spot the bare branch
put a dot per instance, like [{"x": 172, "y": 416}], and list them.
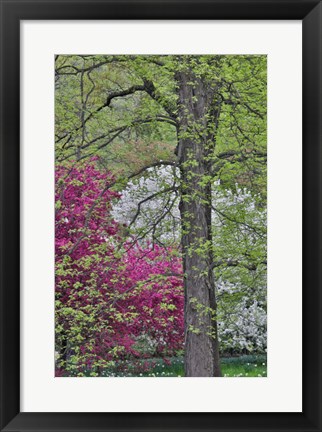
[{"x": 169, "y": 189}]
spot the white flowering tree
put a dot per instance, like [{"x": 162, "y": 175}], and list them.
[{"x": 149, "y": 207}]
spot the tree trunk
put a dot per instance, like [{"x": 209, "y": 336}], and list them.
[{"x": 194, "y": 143}]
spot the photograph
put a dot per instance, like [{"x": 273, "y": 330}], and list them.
[
  {"x": 160, "y": 215},
  {"x": 161, "y": 212}
]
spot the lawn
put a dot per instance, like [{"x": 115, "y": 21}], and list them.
[{"x": 243, "y": 366}]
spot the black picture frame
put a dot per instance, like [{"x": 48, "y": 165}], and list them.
[{"x": 12, "y": 12}]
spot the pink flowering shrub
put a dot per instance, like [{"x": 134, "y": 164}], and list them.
[{"x": 114, "y": 300}]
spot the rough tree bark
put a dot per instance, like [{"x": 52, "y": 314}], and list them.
[{"x": 195, "y": 140}]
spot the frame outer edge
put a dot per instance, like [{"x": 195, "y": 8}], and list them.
[
  {"x": 312, "y": 215},
  {"x": 9, "y": 217}
]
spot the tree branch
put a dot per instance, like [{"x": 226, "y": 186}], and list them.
[
  {"x": 169, "y": 189},
  {"x": 228, "y": 262},
  {"x": 150, "y": 89},
  {"x": 260, "y": 234}
]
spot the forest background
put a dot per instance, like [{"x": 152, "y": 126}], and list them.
[{"x": 160, "y": 214}]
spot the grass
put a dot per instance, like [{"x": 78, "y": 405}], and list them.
[
  {"x": 243, "y": 366},
  {"x": 248, "y": 370}
]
